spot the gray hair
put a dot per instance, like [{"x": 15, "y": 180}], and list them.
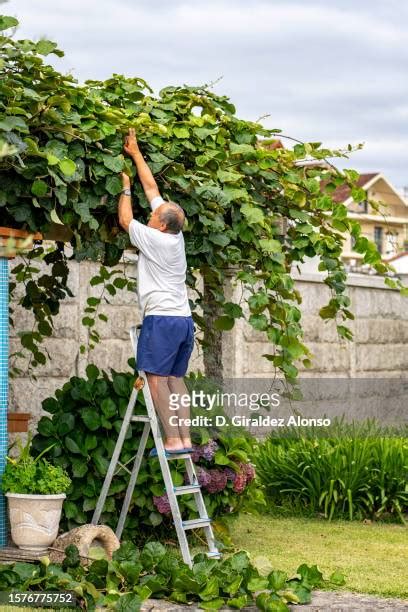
[{"x": 172, "y": 216}]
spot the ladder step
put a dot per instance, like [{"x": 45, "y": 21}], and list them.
[
  {"x": 200, "y": 522},
  {"x": 183, "y": 490},
  {"x": 179, "y": 456},
  {"x": 140, "y": 418},
  {"x": 214, "y": 554}
]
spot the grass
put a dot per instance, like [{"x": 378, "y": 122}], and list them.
[{"x": 372, "y": 557}]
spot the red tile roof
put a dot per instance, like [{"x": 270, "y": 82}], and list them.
[{"x": 342, "y": 193}]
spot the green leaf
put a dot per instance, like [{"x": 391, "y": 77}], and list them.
[
  {"x": 45, "y": 427},
  {"x": 9, "y": 124},
  {"x": 109, "y": 407},
  {"x": 67, "y": 166},
  {"x": 114, "y": 163},
  {"x": 337, "y": 578},
  {"x": 52, "y": 159},
  {"x": 7, "y": 22},
  {"x": 50, "y": 405},
  {"x": 130, "y": 602},
  {"x": 224, "y": 323},
  {"x": 79, "y": 467},
  {"x": 131, "y": 571},
  {"x": 121, "y": 385},
  {"x": 44, "y": 47},
  {"x": 127, "y": 552},
  {"x": 113, "y": 185},
  {"x": 65, "y": 424},
  {"x": 91, "y": 418},
  {"x": 239, "y": 561},
  {"x": 252, "y": 214},
  {"x": 258, "y": 321},
  {"x": 91, "y": 370},
  {"x": 70, "y": 509},
  {"x": 240, "y": 149},
  {"x": 257, "y": 583},
  {"x": 270, "y": 603},
  {"x": 211, "y": 589},
  {"x": 270, "y": 246},
  {"x": 277, "y": 580},
  {"x": 152, "y": 553},
  {"x": 219, "y": 239},
  {"x": 181, "y": 132},
  {"x": 228, "y": 176},
  {"x": 39, "y": 188},
  {"x": 72, "y": 446}
]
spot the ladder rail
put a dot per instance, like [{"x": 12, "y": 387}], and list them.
[
  {"x": 132, "y": 481},
  {"x": 115, "y": 457}
]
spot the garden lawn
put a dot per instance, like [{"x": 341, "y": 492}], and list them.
[{"x": 373, "y": 557}]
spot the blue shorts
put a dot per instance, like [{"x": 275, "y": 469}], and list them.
[{"x": 165, "y": 345}]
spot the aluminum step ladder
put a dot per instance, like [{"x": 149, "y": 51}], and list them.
[{"x": 151, "y": 424}]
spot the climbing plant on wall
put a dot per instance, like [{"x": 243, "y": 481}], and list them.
[{"x": 64, "y": 169}]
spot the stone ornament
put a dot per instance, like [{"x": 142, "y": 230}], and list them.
[{"x": 84, "y": 538}]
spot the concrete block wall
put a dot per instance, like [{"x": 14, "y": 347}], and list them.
[{"x": 380, "y": 329}]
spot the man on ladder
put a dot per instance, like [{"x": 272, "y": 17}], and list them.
[
  {"x": 163, "y": 350},
  {"x": 166, "y": 339}
]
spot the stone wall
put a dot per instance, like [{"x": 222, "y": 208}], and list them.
[{"x": 380, "y": 348}]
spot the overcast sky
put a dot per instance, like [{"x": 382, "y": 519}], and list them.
[{"x": 335, "y": 72}]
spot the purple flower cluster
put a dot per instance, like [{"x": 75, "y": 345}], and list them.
[
  {"x": 231, "y": 474},
  {"x": 203, "y": 477},
  {"x": 239, "y": 482},
  {"x": 162, "y": 503},
  {"x": 214, "y": 480},
  {"x": 218, "y": 481},
  {"x": 249, "y": 472},
  {"x": 208, "y": 450},
  {"x": 204, "y": 451}
]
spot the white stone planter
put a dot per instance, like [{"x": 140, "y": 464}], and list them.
[{"x": 34, "y": 519}]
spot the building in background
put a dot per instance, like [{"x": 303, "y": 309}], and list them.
[
  {"x": 383, "y": 217},
  {"x": 387, "y": 226}
]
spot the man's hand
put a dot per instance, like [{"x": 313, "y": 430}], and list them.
[
  {"x": 131, "y": 147},
  {"x": 125, "y": 180}
]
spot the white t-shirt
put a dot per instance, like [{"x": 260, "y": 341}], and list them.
[{"x": 161, "y": 269}]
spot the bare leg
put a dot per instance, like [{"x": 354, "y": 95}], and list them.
[
  {"x": 177, "y": 385},
  {"x": 160, "y": 392}
]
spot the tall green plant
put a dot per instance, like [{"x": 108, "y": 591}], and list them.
[
  {"x": 346, "y": 476},
  {"x": 237, "y": 193}
]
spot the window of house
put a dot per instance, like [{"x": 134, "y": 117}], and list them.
[
  {"x": 363, "y": 206},
  {"x": 378, "y": 238},
  {"x": 391, "y": 243}
]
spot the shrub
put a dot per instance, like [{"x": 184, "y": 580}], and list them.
[
  {"x": 85, "y": 418},
  {"x": 344, "y": 476}
]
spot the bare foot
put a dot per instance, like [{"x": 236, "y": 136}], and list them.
[
  {"x": 187, "y": 443},
  {"x": 173, "y": 444}
]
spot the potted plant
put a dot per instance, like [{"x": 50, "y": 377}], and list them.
[{"x": 35, "y": 490}]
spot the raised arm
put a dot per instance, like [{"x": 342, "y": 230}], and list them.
[{"x": 145, "y": 174}]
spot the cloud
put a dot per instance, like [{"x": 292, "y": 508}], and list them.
[{"x": 334, "y": 72}]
